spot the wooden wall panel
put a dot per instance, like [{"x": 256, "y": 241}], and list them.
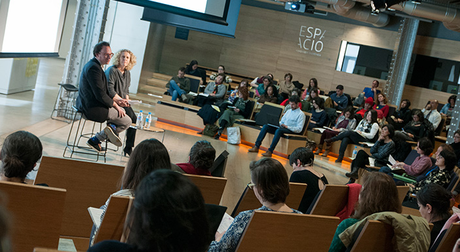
[{"x": 267, "y": 41}]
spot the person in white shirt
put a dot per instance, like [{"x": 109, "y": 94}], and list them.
[
  {"x": 431, "y": 113},
  {"x": 292, "y": 122}
]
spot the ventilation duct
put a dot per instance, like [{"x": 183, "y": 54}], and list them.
[
  {"x": 449, "y": 16},
  {"x": 347, "y": 8}
]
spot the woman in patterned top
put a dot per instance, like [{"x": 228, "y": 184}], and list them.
[
  {"x": 440, "y": 173},
  {"x": 269, "y": 181}
]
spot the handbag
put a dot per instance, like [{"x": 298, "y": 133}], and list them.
[
  {"x": 233, "y": 135},
  {"x": 210, "y": 130}
]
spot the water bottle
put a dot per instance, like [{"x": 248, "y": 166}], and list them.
[
  {"x": 140, "y": 120},
  {"x": 148, "y": 121},
  {"x": 355, "y": 151}
]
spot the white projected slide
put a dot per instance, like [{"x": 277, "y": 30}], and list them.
[
  {"x": 193, "y": 5},
  {"x": 32, "y": 26}
]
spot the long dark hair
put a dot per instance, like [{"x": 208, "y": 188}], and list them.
[
  {"x": 379, "y": 194},
  {"x": 20, "y": 152},
  {"x": 168, "y": 214},
  {"x": 149, "y": 155},
  {"x": 189, "y": 67},
  {"x": 439, "y": 199}
]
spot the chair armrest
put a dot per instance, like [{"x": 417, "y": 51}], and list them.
[
  {"x": 373, "y": 167},
  {"x": 412, "y": 142},
  {"x": 404, "y": 178}
]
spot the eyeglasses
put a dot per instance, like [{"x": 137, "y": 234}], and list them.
[
  {"x": 109, "y": 55},
  {"x": 251, "y": 185}
]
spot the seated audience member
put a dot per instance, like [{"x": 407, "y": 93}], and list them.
[
  {"x": 313, "y": 83},
  {"x": 148, "y": 156},
  {"x": 286, "y": 86},
  {"x": 346, "y": 121},
  {"x": 270, "y": 184},
  {"x": 241, "y": 110},
  {"x": 339, "y": 99},
  {"x": 291, "y": 122},
  {"x": 449, "y": 106},
  {"x": 415, "y": 129},
  {"x": 234, "y": 94},
  {"x": 168, "y": 206},
  {"x": 179, "y": 85},
  {"x": 266, "y": 81},
  {"x": 439, "y": 174},
  {"x": 201, "y": 159},
  {"x": 95, "y": 103},
  {"x": 380, "y": 151},
  {"x": 20, "y": 153},
  {"x": 285, "y": 103},
  {"x": 306, "y": 103},
  {"x": 368, "y": 92},
  {"x": 216, "y": 92},
  {"x": 318, "y": 115},
  {"x": 419, "y": 165},
  {"x": 427, "y": 172},
  {"x": 431, "y": 113},
  {"x": 402, "y": 116},
  {"x": 366, "y": 131},
  {"x": 269, "y": 95},
  {"x": 378, "y": 194},
  {"x": 368, "y": 104},
  {"x": 301, "y": 161},
  {"x": 221, "y": 70},
  {"x": 382, "y": 104},
  {"x": 434, "y": 205},
  {"x": 456, "y": 145},
  {"x": 192, "y": 69},
  {"x": 261, "y": 80}
]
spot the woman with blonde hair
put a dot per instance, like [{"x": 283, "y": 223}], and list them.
[{"x": 119, "y": 80}]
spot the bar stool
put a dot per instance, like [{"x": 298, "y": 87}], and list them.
[
  {"x": 64, "y": 102},
  {"x": 73, "y": 139}
]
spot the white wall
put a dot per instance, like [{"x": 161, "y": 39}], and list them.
[
  {"x": 125, "y": 30},
  {"x": 67, "y": 31}
]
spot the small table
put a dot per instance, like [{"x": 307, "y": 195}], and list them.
[{"x": 156, "y": 130}]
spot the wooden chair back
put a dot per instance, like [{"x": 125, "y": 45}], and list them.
[
  {"x": 195, "y": 82},
  {"x": 307, "y": 122},
  {"x": 211, "y": 188},
  {"x": 275, "y": 231},
  {"x": 331, "y": 200},
  {"x": 248, "y": 200},
  {"x": 375, "y": 236},
  {"x": 402, "y": 192},
  {"x": 87, "y": 184},
  {"x": 270, "y": 112},
  {"x": 450, "y": 238},
  {"x": 35, "y": 213},
  {"x": 220, "y": 164},
  {"x": 112, "y": 225}
]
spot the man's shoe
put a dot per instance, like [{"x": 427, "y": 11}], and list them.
[
  {"x": 94, "y": 145},
  {"x": 112, "y": 135},
  {"x": 267, "y": 154},
  {"x": 254, "y": 149},
  {"x": 217, "y": 136},
  {"x": 339, "y": 160}
]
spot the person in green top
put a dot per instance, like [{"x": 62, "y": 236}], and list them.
[{"x": 378, "y": 194}]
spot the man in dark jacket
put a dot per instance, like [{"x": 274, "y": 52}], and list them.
[{"x": 95, "y": 103}]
